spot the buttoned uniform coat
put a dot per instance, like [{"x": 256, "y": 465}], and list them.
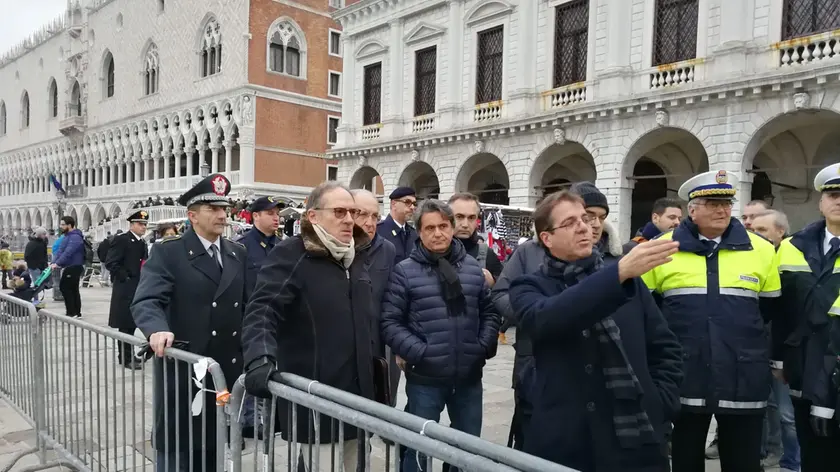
[
  {"x": 312, "y": 316},
  {"x": 124, "y": 259},
  {"x": 258, "y": 246},
  {"x": 389, "y": 230},
  {"x": 182, "y": 290}
]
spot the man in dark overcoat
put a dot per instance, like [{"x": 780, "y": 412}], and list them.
[
  {"x": 192, "y": 291},
  {"x": 124, "y": 259}
]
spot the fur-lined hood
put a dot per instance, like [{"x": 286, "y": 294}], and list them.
[
  {"x": 313, "y": 245},
  {"x": 611, "y": 240}
]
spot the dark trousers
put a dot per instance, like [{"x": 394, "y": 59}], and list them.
[
  {"x": 817, "y": 453},
  {"x": 739, "y": 442},
  {"x": 126, "y": 352},
  {"x": 463, "y": 403},
  {"x": 69, "y": 287}
]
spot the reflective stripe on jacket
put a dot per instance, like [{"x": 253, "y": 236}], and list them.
[{"x": 711, "y": 301}]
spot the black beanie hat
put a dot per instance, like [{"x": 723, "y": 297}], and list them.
[{"x": 592, "y": 197}]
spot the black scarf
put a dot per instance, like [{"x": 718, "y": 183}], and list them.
[
  {"x": 450, "y": 284},
  {"x": 631, "y": 422}
]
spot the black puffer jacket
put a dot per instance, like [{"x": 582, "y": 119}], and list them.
[
  {"x": 35, "y": 253},
  {"x": 439, "y": 349}
]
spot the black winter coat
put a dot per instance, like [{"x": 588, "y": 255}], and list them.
[
  {"x": 572, "y": 421},
  {"x": 312, "y": 316},
  {"x": 125, "y": 257},
  {"x": 35, "y": 254},
  {"x": 439, "y": 349}
]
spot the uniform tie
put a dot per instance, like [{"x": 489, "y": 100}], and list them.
[
  {"x": 214, "y": 253},
  {"x": 832, "y": 253}
]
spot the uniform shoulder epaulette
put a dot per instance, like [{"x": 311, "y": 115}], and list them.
[
  {"x": 169, "y": 238},
  {"x": 235, "y": 242}
]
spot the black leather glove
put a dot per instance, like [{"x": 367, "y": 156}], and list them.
[
  {"x": 822, "y": 427},
  {"x": 260, "y": 372}
]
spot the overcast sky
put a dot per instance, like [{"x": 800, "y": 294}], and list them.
[{"x": 20, "y": 18}]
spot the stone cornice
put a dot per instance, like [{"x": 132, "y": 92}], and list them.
[
  {"x": 369, "y": 15},
  {"x": 702, "y": 93}
]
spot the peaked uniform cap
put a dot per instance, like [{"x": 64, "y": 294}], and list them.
[
  {"x": 266, "y": 203},
  {"x": 715, "y": 184},
  {"x": 140, "y": 216},
  {"x": 828, "y": 179},
  {"x": 211, "y": 190}
]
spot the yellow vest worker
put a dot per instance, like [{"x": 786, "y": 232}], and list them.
[
  {"x": 801, "y": 329},
  {"x": 710, "y": 294}
]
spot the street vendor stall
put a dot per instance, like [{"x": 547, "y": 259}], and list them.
[{"x": 502, "y": 226}]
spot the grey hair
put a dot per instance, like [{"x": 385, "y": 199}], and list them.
[
  {"x": 433, "y": 206},
  {"x": 40, "y": 231},
  {"x": 361, "y": 191},
  {"x": 314, "y": 199},
  {"x": 780, "y": 220}
]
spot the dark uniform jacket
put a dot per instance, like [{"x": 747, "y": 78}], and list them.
[
  {"x": 258, "y": 245},
  {"x": 801, "y": 324},
  {"x": 402, "y": 239},
  {"x": 182, "y": 290},
  {"x": 312, "y": 316},
  {"x": 572, "y": 420},
  {"x": 125, "y": 256},
  {"x": 717, "y": 300}
]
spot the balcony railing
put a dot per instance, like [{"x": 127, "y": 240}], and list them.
[
  {"x": 74, "y": 121},
  {"x": 808, "y": 49},
  {"x": 564, "y": 96},
  {"x": 487, "y": 111},
  {"x": 371, "y": 132},
  {"x": 671, "y": 75},
  {"x": 423, "y": 124}
]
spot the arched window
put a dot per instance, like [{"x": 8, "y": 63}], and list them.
[
  {"x": 151, "y": 70},
  {"x": 2, "y": 118},
  {"x": 24, "y": 110},
  {"x": 211, "y": 48},
  {"x": 287, "y": 49},
  {"x": 53, "y": 111},
  {"x": 75, "y": 101},
  {"x": 108, "y": 75}
]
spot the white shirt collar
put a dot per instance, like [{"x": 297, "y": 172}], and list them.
[
  {"x": 139, "y": 238},
  {"x": 207, "y": 244},
  {"x": 717, "y": 240},
  {"x": 401, "y": 226},
  {"x": 827, "y": 241}
]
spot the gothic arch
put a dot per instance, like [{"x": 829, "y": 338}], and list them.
[
  {"x": 115, "y": 210},
  {"x": 286, "y": 33}
]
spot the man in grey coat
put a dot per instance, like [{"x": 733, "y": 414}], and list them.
[{"x": 379, "y": 261}]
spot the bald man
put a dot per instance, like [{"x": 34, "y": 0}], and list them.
[{"x": 379, "y": 260}]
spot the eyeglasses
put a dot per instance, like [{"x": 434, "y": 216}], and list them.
[
  {"x": 364, "y": 215},
  {"x": 340, "y": 213},
  {"x": 409, "y": 203},
  {"x": 585, "y": 219}
]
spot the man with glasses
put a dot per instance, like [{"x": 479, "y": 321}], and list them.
[
  {"x": 310, "y": 315},
  {"x": 714, "y": 294},
  {"x": 394, "y": 228}
]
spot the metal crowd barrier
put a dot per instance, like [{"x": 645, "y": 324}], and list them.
[{"x": 90, "y": 413}]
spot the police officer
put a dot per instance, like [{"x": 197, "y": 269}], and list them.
[
  {"x": 710, "y": 294},
  {"x": 124, "y": 258},
  {"x": 810, "y": 274},
  {"x": 262, "y": 238},
  {"x": 394, "y": 227},
  {"x": 193, "y": 290}
]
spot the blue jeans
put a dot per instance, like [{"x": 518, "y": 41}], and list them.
[
  {"x": 779, "y": 427},
  {"x": 464, "y": 405}
]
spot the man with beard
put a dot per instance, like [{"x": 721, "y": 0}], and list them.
[
  {"x": 193, "y": 289},
  {"x": 802, "y": 327},
  {"x": 666, "y": 216},
  {"x": 717, "y": 293},
  {"x": 124, "y": 259},
  {"x": 466, "y": 208}
]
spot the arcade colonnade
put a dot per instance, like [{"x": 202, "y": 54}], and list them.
[{"x": 775, "y": 143}]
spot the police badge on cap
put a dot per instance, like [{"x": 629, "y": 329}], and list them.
[
  {"x": 141, "y": 216},
  {"x": 715, "y": 184},
  {"x": 212, "y": 190}
]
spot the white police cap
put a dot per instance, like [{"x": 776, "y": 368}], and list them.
[
  {"x": 828, "y": 179},
  {"x": 715, "y": 184}
]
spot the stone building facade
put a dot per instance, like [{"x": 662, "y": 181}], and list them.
[
  {"x": 512, "y": 99},
  {"x": 121, "y": 100}
]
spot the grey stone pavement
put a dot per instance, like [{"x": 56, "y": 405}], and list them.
[{"x": 103, "y": 414}]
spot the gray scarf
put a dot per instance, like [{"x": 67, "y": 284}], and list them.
[{"x": 632, "y": 425}]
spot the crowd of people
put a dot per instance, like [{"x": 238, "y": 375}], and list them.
[{"x": 624, "y": 352}]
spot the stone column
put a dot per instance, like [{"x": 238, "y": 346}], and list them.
[
  {"x": 167, "y": 154},
  {"x": 179, "y": 153},
  {"x": 392, "y": 122},
  {"x": 228, "y": 156},
  {"x": 450, "y": 109},
  {"x": 736, "y": 31},
  {"x": 190, "y": 152},
  {"x": 523, "y": 99},
  {"x": 618, "y": 74},
  {"x": 121, "y": 172},
  {"x": 214, "y": 161},
  {"x": 345, "y": 130},
  {"x": 247, "y": 156},
  {"x": 155, "y": 167}
]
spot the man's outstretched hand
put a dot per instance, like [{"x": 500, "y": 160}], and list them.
[{"x": 645, "y": 257}]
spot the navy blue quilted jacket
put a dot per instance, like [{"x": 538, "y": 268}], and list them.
[{"x": 439, "y": 349}]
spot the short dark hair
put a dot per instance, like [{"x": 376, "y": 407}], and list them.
[
  {"x": 464, "y": 196},
  {"x": 662, "y": 204},
  {"x": 431, "y": 205},
  {"x": 162, "y": 229},
  {"x": 542, "y": 214},
  {"x": 761, "y": 203},
  {"x": 69, "y": 220}
]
